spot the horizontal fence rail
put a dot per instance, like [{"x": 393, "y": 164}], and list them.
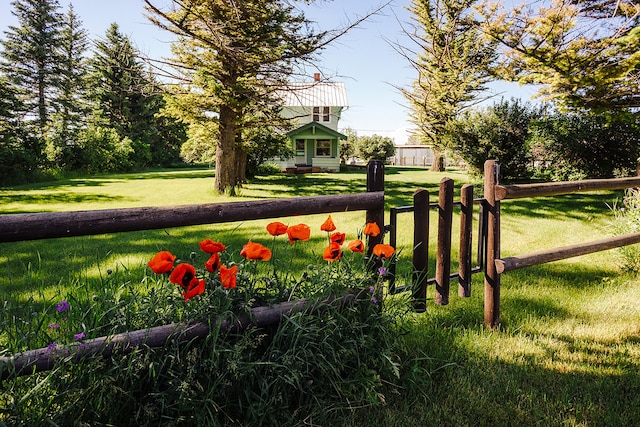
[
  {"x": 495, "y": 264},
  {"x": 46, "y": 225},
  {"x": 557, "y": 254},
  {"x": 503, "y": 192}
]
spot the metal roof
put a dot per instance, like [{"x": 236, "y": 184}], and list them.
[{"x": 316, "y": 94}]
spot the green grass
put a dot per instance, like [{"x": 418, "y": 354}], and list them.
[{"x": 567, "y": 352}]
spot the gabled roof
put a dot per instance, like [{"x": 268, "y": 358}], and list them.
[
  {"x": 315, "y": 94},
  {"x": 315, "y": 126}
]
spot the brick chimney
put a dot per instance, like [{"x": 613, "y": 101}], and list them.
[{"x": 316, "y": 77}]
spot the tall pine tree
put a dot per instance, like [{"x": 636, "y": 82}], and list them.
[
  {"x": 30, "y": 58},
  {"x": 451, "y": 61},
  {"x": 232, "y": 56},
  {"x": 71, "y": 107}
]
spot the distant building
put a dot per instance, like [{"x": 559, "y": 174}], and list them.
[
  {"x": 316, "y": 107},
  {"x": 413, "y": 155}
]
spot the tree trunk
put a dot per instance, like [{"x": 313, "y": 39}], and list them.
[
  {"x": 229, "y": 173},
  {"x": 438, "y": 161}
]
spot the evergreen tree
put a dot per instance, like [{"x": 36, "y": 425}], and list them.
[
  {"x": 232, "y": 57},
  {"x": 584, "y": 53},
  {"x": 30, "y": 58},
  {"x": 451, "y": 61},
  {"x": 72, "y": 105},
  {"x": 123, "y": 94}
]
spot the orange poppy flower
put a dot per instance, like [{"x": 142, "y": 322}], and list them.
[
  {"x": 255, "y": 251},
  {"x": 183, "y": 274},
  {"x": 211, "y": 247},
  {"x": 228, "y": 276},
  {"x": 328, "y": 225},
  {"x": 277, "y": 228},
  {"x": 162, "y": 262},
  {"x": 371, "y": 229},
  {"x": 338, "y": 237},
  {"x": 213, "y": 263},
  {"x": 299, "y": 232},
  {"x": 332, "y": 252},
  {"x": 356, "y": 246},
  {"x": 382, "y": 250},
  {"x": 195, "y": 288}
]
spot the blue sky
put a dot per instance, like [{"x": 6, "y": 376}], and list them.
[{"x": 364, "y": 59}]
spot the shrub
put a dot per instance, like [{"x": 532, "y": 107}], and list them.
[
  {"x": 498, "y": 132},
  {"x": 573, "y": 146},
  {"x": 626, "y": 221},
  {"x": 375, "y": 147}
]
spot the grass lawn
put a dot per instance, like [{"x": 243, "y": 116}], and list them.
[{"x": 567, "y": 352}]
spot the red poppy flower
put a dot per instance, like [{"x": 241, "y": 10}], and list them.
[
  {"x": 162, "y": 262},
  {"x": 356, "y": 246},
  {"x": 255, "y": 251},
  {"x": 195, "y": 288},
  {"x": 299, "y": 232},
  {"x": 371, "y": 229},
  {"x": 338, "y": 237},
  {"x": 328, "y": 225},
  {"x": 183, "y": 274},
  {"x": 332, "y": 252},
  {"x": 277, "y": 228},
  {"x": 382, "y": 250},
  {"x": 213, "y": 263},
  {"x": 228, "y": 276},
  {"x": 211, "y": 247}
]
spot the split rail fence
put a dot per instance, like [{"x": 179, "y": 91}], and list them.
[
  {"x": 18, "y": 227},
  {"x": 34, "y": 226}
]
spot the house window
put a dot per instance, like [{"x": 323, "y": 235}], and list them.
[
  {"x": 299, "y": 147},
  {"x": 323, "y": 148},
  {"x": 321, "y": 112}
]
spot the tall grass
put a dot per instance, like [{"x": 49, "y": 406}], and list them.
[{"x": 567, "y": 352}]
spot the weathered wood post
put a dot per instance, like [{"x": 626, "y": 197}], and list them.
[
  {"x": 491, "y": 276},
  {"x": 420, "y": 249},
  {"x": 466, "y": 230},
  {"x": 375, "y": 183},
  {"x": 443, "y": 256}
]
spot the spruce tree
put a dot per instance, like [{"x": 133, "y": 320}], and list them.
[
  {"x": 71, "y": 103},
  {"x": 30, "y": 59}
]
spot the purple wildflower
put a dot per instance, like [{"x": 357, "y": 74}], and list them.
[
  {"x": 382, "y": 271},
  {"x": 78, "y": 336},
  {"x": 52, "y": 346},
  {"x": 53, "y": 326},
  {"x": 372, "y": 289},
  {"x": 62, "y": 306},
  {"x": 374, "y": 300}
]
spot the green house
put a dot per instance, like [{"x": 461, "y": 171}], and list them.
[{"x": 316, "y": 108}]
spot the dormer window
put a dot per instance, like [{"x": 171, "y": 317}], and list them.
[{"x": 321, "y": 113}]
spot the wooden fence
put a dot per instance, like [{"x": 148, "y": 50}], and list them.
[
  {"x": 495, "y": 265},
  {"x": 32, "y": 226}
]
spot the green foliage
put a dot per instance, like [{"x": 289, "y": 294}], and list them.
[
  {"x": 263, "y": 144},
  {"x": 100, "y": 149},
  {"x": 499, "y": 132},
  {"x": 375, "y": 147},
  {"x": 558, "y": 47},
  {"x": 452, "y": 63},
  {"x": 317, "y": 364},
  {"x": 627, "y": 221},
  {"x": 571, "y": 146}
]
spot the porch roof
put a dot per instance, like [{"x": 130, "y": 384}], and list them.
[{"x": 316, "y": 127}]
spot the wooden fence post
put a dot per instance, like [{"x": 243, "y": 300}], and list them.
[
  {"x": 420, "y": 249},
  {"x": 443, "y": 256},
  {"x": 375, "y": 182},
  {"x": 466, "y": 230},
  {"x": 491, "y": 276}
]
